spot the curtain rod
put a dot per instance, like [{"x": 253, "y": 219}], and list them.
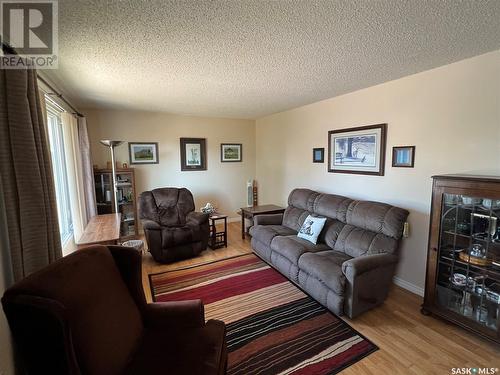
[
  {"x": 7, "y": 48},
  {"x": 59, "y": 95}
]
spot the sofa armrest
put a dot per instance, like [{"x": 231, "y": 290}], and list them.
[
  {"x": 268, "y": 219},
  {"x": 175, "y": 315},
  {"x": 197, "y": 218},
  {"x": 357, "y": 266},
  {"x": 150, "y": 225}
]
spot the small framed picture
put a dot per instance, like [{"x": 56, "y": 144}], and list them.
[
  {"x": 230, "y": 152},
  {"x": 318, "y": 155},
  {"x": 193, "y": 154},
  {"x": 143, "y": 152},
  {"x": 403, "y": 156}
]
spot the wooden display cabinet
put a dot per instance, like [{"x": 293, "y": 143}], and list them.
[
  {"x": 127, "y": 204},
  {"x": 463, "y": 261}
]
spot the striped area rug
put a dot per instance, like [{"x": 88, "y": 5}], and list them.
[{"x": 272, "y": 326}]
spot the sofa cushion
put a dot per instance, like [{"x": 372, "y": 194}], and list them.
[
  {"x": 326, "y": 266},
  {"x": 355, "y": 242},
  {"x": 294, "y": 217},
  {"x": 266, "y": 233},
  {"x": 377, "y": 217},
  {"x": 303, "y": 199},
  {"x": 180, "y": 235},
  {"x": 292, "y": 247},
  {"x": 330, "y": 232},
  {"x": 332, "y": 206}
]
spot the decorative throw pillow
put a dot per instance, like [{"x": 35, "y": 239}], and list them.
[{"x": 311, "y": 228}]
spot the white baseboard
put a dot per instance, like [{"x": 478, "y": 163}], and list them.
[{"x": 408, "y": 286}]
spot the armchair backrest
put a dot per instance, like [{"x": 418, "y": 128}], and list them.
[
  {"x": 166, "y": 206},
  {"x": 353, "y": 227},
  {"x": 75, "y": 316}
]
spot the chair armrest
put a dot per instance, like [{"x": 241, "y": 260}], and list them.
[
  {"x": 268, "y": 219},
  {"x": 197, "y": 218},
  {"x": 357, "y": 266},
  {"x": 175, "y": 315},
  {"x": 150, "y": 224}
]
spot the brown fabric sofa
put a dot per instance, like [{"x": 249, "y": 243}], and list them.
[
  {"x": 351, "y": 267},
  {"x": 173, "y": 230},
  {"x": 86, "y": 314}
]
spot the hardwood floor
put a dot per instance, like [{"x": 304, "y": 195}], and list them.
[{"x": 409, "y": 342}]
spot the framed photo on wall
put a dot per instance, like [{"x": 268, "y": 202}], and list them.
[
  {"x": 403, "y": 156},
  {"x": 193, "y": 154},
  {"x": 143, "y": 152},
  {"x": 318, "y": 155},
  {"x": 230, "y": 152},
  {"x": 359, "y": 150}
]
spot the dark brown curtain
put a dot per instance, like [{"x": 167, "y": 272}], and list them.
[{"x": 26, "y": 175}]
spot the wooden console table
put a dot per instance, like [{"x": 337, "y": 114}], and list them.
[
  {"x": 250, "y": 212},
  {"x": 101, "y": 229}
]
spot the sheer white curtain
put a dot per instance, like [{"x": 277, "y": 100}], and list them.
[
  {"x": 73, "y": 158},
  {"x": 87, "y": 169}
]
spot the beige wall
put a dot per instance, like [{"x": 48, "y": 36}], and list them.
[
  {"x": 222, "y": 184},
  {"x": 451, "y": 114}
]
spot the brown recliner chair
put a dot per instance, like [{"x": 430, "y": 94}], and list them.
[
  {"x": 86, "y": 314},
  {"x": 173, "y": 230}
]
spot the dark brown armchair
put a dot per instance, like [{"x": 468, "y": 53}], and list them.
[
  {"x": 173, "y": 230},
  {"x": 86, "y": 314}
]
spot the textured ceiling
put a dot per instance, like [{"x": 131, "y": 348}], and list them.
[{"x": 246, "y": 59}]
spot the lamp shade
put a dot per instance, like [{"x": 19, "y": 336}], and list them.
[{"x": 110, "y": 143}]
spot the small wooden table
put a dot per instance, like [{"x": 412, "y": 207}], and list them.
[
  {"x": 250, "y": 212},
  {"x": 217, "y": 239},
  {"x": 101, "y": 229}
]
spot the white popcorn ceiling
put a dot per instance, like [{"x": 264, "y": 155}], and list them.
[{"x": 247, "y": 59}]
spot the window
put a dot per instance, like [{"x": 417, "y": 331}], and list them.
[{"x": 54, "y": 125}]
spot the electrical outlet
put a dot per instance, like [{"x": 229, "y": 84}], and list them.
[{"x": 406, "y": 230}]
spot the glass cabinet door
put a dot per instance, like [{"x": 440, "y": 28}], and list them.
[
  {"x": 103, "y": 193},
  {"x": 468, "y": 275},
  {"x": 125, "y": 196}
]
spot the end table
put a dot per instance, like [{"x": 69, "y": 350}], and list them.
[
  {"x": 250, "y": 212},
  {"x": 217, "y": 239}
]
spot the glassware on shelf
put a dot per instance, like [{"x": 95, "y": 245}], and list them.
[{"x": 467, "y": 235}]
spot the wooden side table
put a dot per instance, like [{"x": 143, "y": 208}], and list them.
[
  {"x": 250, "y": 212},
  {"x": 101, "y": 229},
  {"x": 217, "y": 239}
]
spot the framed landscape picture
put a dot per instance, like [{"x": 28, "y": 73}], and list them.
[
  {"x": 230, "y": 152},
  {"x": 193, "y": 154},
  {"x": 358, "y": 150},
  {"x": 143, "y": 152}
]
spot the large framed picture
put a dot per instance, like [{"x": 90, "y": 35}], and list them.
[
  {"x": 230, "y": 152},
  {"x": 143, "y": 152},
  {"x": 358, "y": 150},
  {"x": 193, "y": 154}
]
